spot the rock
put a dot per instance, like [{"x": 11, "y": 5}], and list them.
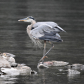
[
  {"x": 42, "y": 65},
  {"x": 60, "y": 63},
  {"x": 10, "y": 67},
  {"x": 77, "y": 66},
  {"x": 72, "y": 72},
  {"x": 19, "y": 70},
  {"x": 8, "y": 54},
  {"x": 47, "y": 64},
  {"x": 9, "y": 57},
  {"x": 74, "y": 69},
  {"x": 82, "y": 67},
  {"x": 33, "y": 72},
  {"x": 14, "y": 64},
  {"x": 4, "y": 63},
  {"x": 24, "y": 70},
  {"x": 10, "y": 71}
]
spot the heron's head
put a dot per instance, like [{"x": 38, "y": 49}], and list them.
[{"x": 28, "y": 19}]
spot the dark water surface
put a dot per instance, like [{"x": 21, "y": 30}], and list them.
[{"x": 69, "y": 14}]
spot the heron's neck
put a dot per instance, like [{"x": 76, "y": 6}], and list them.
[
  {"x": 33, "y": 22},
  {"x": 29, "y": 27}
]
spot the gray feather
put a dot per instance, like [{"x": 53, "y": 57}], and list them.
[
  {"x": 43, "y": 29},
  {"x": 52, "y": 24}
]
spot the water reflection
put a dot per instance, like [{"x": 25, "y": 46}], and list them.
[
  {"x": 45, "y": 76},
  {"x": 6, "y": 79},
  {"x": 73, "y": 77},
  {"x": 42, "y": 73}
]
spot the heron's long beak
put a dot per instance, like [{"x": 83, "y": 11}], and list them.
[{"x": 24, "y": 19}]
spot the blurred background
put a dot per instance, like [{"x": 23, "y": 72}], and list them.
[{"x": 68, "y": 14}]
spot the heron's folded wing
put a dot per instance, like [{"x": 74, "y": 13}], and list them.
[
  {"x": 49, "y": 23},
  {"x": 42, "y": 30}
]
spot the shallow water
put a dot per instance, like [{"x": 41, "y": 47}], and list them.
[{"x": 14, "y": 39}]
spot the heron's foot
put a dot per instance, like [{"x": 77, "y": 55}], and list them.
[{"x": 44, "y": 57}]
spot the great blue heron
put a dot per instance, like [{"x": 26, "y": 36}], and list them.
[{"x": 46, "y": 31}]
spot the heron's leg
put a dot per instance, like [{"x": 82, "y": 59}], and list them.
[
  {"x": 50, "y": 48},
  {"x": 42, "y": 59},
  {"x": 44, "y": 51}
]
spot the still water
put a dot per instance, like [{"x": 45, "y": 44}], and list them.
[{"x": 14, "y": 39}]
